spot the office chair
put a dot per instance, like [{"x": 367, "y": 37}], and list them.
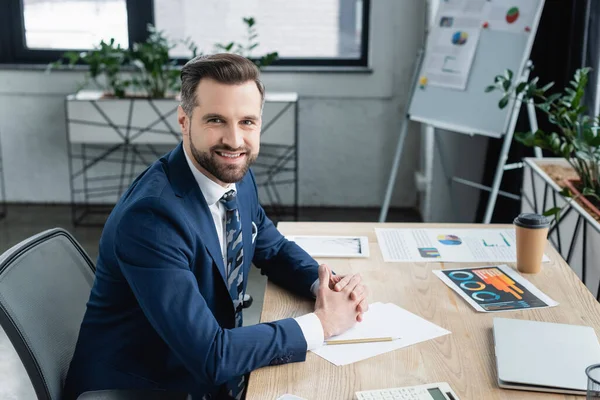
[{"x": 45, "y": 283}]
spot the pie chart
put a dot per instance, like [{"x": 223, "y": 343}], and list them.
[
  {"x": 512, "y": 15},
  {"x": 459, "y": 38},
  {"x": 449, "y": 240}
]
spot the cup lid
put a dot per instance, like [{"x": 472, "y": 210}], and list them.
[{"x": 530, "y": 220}]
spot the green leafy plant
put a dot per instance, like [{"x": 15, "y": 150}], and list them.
[
  {"x": 155, "y": 73},
  {"x": 246, "y": 49},
  {"x": 575, "y": 135},
  {"x": 147, "y": 68},
  {"x": 104, "y": 60}
]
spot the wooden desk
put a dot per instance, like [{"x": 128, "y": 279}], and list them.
[{"x": 465, "y": 359}]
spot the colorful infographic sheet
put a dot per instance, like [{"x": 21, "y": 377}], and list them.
[
  {"x": 493, "y": 289},
  {"x": 448, "y": 245},
  {"x": 452, "y": 42}
]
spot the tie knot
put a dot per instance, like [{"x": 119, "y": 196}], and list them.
[{"x": 229, "y": 200}]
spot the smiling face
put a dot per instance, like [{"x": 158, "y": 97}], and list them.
[{"x": 222, "y": 135}]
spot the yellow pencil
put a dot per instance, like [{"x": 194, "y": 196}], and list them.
[{"x": 366, "y": 340}]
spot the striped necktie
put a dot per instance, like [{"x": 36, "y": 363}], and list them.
[
  {"x": 235, "y": 253},
  {"x": 235, "y": 273}
]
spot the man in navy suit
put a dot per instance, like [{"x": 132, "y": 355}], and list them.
[{"x": 165, "y": 309}]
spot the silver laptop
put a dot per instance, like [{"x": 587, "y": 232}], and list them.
[{"x": 542, "y": 356}]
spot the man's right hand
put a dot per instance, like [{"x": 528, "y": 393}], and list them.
[{"x": 337, "y": 311}]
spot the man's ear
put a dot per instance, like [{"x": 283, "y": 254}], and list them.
[{"x": 183, "y": 120}]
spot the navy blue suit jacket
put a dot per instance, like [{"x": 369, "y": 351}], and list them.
[{"x": 159, "y": 314}]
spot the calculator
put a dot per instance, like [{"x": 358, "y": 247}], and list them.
[{"x": 433, "y": 391}]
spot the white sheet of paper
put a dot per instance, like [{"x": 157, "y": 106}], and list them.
[
  {"x": 509, "y": 303},
  {"x": 333, "y": 246},
  {"x": 452, "y": 42},
  {"x": 505, "y": 15},
  {"x": 448, "y": 245},
  {"x": 382, "y": 320}
]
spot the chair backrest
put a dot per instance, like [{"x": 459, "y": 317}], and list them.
[{"x": 45, "y": 283}]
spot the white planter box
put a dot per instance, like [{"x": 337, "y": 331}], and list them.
[
  {"x": 93, "y": 120},
  {"x": 112, "y": 140},
  {"x": 577, "y": 236}
]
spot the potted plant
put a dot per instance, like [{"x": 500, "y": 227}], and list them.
[
  {"x": 125, "y": 110},
  {"x": 567, "y": 186},
  {"x": 147, "y": 70},
  {"x": 576, "y": 139}
]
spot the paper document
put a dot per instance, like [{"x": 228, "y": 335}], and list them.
[
  {"x": 448, "y": 245},
  {"x": 505, "y": 15},
  {"x": 493, "y": 289},
  {"x": 382, "y": 320},
  {"x": 452, "y": 42},
  {"x": 333, "y": 246}
]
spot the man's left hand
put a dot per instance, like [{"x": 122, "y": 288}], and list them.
[{"x": 338, "y": 282}]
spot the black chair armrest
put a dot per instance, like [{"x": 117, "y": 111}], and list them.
[{"x": 122, "y": 394}]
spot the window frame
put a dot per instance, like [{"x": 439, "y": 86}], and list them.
[{"x": 14, "y": 51}]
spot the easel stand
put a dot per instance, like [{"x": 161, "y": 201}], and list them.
[
  {"x": 501, "y": 167},
  {"x": 400, "y": 145}
]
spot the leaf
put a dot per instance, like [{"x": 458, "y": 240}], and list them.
[
  {"x": 566, "y": 192},
  {"x": 267, "y": 59},
  {"x": 526, "y": 138},
  {"x": 583, "y": 156},
  {"x": 587, "y": 191},
  {"x": 534, "y": 81},
  {"x": 547, "y": 86},
  {"x": 595, "y": 142},
  {"x": 520, "y": 87},
  {"x": 503, "y": 102},
  {"x": 506, "y": 85},
  {"x": 72, "y": 57},
  {"x": 555, "y": 211},
  {"x": 490, "y": 88},
  {"x": 553, "y": 97}
]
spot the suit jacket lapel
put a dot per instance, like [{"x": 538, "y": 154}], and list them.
[{"x": 184, "y": 184}]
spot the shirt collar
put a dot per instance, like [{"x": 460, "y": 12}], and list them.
[{"x": 211, "y": 190}]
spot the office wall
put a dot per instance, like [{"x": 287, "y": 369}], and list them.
[
  {"x": 348, "y": 122},
  {"x": 464, "y": 157}
]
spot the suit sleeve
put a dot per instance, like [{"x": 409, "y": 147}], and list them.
[
  {"x": 154, "y": 250},
  {"x": 284, "y": 262}
]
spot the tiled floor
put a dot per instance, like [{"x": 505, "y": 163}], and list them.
[{"x": 23, "y": 221}]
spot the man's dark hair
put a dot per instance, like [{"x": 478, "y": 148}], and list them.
[{"x": 224, "y": 68}]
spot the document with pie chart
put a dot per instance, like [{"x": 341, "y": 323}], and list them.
[
  {"x": 452, "y": 42},
  {"x": 448, "y": 245},
  {"x": 510, "y": 16}
]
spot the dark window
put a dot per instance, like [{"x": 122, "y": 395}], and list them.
[{"x": 304, "y": 33}]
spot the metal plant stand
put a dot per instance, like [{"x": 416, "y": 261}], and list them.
[{"x": 111, "y": 141}]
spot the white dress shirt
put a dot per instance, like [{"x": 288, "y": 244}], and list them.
[{"x": 309, "y": 323}]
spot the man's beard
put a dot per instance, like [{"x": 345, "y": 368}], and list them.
[{"x": 225, "y": 173}]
